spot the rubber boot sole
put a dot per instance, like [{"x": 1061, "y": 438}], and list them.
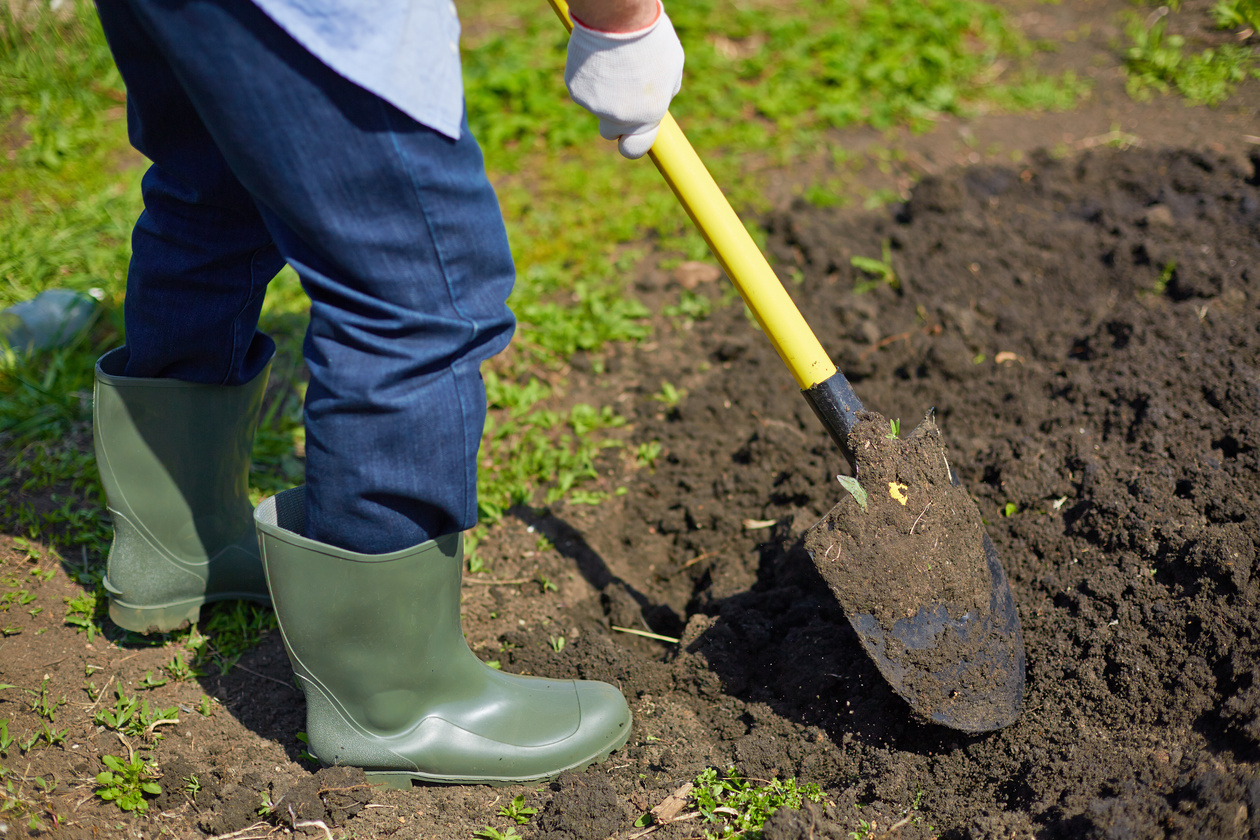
[
  {"x": 400, "y": 780},
  {"x": 165, "y": 618}
]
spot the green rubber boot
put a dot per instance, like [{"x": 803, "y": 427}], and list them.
[
  {"x": 390, "y": 683},
  {"x": 174, "y": 460}
]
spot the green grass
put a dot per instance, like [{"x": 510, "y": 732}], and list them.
[{"x": 1157, "y": 61}]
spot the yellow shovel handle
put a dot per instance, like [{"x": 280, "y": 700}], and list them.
[{"x": 743, "y": 261}]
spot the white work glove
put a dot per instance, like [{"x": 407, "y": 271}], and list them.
[{"x": 627, "y": 79}]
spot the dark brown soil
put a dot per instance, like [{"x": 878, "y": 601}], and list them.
[{"x": 1088, "y": 331}]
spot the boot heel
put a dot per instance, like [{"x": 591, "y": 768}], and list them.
[
  {"x": 154, "y": 619},
  {"x": 390, "y": 781}
]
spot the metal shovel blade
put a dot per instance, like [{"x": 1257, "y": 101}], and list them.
[{"x": 964, "y": 672}]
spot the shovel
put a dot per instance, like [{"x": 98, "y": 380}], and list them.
[{"x": 904, "y": 553}]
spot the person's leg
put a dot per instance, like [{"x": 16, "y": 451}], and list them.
[
  {"x": 201, "y": 255},
  {"x": 176, "y": 409},
  {"x": 397, "y": 236}
]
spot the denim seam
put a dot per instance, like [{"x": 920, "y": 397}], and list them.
[{"x": 470, "y": 323}]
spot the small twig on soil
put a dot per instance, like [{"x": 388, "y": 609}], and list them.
[
  {"x": 916, "y": 522},
  {"x": 493, "y": 582},
  {"x": 694, "y": 560},
  {"x": 758, "y": 524},
  {"x": 101, "y": 694},
  {"x": 646, "y": 634},
  {"x": 265, "y": 677},
  {"x": 322, "y": 791},
  {"x": 320, "y": 824},
  {"x": 240, "y": 835},
  {"x": 901, "y": 823},
  {"x": 148, "y": 730}
]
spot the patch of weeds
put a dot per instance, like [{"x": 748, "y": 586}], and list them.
[
  {"x": 33, "y": 806},
  {"x": 134, "y": 717},
  {"x": 180, "y": 669},
  {"x": 1159, "y": 61},
  {"x": 86, "y": 610},
  {"x": 491, "y": 833},
  {"x": 881, "y": 270},
  {"x": 44, "y": 704},
  {"x": 1237, "y": 14},
  {"x": 517, "y": 811},
  {"x": 540, "y": 449},
  {"x": 738, "y": 808},
  {"x": 690, "y": 307},
  {"x": 231, "y": 628},
  {"x": 126, "y": 783}
]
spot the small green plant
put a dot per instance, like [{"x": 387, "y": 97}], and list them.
[
  {"x": 690, "y": 307},
  {"x": 44, "y": 704},
  {"x": 1165, "y": 277},
  {"x": 126, "y": 783},
  {"x": 492, "y": 833},
  {"x": 546, "y": 584},
  {"x": 192, "y": 786},
  {"x": 85, "y": 611},
  {"x": 894, "y": 427},
  {"x": 134, "y": 717},
  {"x": 180, "y": 669},
  {"x": 517, "y": 811},
  {"x": 150, "y": 681},
  {"x": 850, "y": 484},
  {"x": 305, "y": 754},
  {"x": 6, "y": 740},
  {"x": 880, "y": 270},
  {"x": 645, "y": 454},
  {"x": 1010, "y": 509},
  {"x": 669, "y": 395},
  {"x": 556, "y": 642},
  {"x": 738, "y": 808},
  {"x": 204, "y": 706}
]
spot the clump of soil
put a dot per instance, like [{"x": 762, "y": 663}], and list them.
[{"x": 913, "y": 542}]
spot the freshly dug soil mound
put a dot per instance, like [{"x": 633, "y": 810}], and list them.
[{"x": 1089, "y": 333}]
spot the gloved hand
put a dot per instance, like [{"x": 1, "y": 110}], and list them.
[{"x": 627, "y": 79}]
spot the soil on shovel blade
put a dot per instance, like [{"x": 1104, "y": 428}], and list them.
[
  {"x": 1088, "y": 330},
  {"x": 912, "y": 541}
]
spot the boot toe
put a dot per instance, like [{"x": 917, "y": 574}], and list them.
[{"x": 605, "y": 717}]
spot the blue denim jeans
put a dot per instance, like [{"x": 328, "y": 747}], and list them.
[{"x": 263, "y": 155}]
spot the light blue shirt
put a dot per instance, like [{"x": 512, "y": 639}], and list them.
[{"x": 404, "y": 51}]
